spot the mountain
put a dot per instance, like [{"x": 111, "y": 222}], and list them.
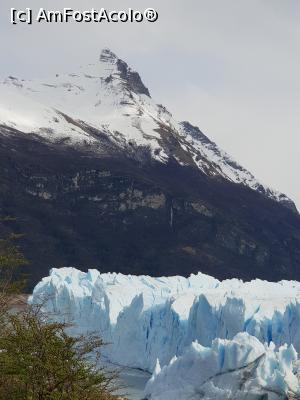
[{"x": 97, "y": 174}]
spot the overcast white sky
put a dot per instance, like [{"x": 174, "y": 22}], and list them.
[{"x": 229, "y": 66}]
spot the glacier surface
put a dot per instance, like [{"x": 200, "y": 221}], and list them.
[
  {"x": 238, "y": 369},
  {"x": 147, "y": 318}
]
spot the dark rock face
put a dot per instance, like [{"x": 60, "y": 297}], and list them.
[
  {"x": 133, "y": 80},
  {"x": 137, "y": 216}
]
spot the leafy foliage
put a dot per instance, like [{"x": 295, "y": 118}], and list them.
[
  {"x": 38, "y": 359},
  {"x": 11, "y": 260}
]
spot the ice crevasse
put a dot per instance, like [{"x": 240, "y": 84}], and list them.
[{"x": 150, "y": 320}]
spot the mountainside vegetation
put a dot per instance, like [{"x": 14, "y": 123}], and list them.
[
  {"x": 38, "y": 359},
  {"x": 139, "y": 217}
]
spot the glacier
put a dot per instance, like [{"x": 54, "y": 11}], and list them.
[
  {"x": 238, "y": 369},
  {"x": 147, "y": 321},
  {"x": 165, "y": 315}
]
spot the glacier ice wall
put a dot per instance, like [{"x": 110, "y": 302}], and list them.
[
  {"x": 238, "y": 369},
  {"x": 144, "y": 319}
]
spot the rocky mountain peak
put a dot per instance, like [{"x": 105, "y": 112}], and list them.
[
  {"x": 131, "y": 78},
  {"x": 134, "y": 80},
  {"x": 107, "y": 56},
  {"x": 111, "y": 98}
]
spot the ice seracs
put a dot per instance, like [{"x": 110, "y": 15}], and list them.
[
  {"x": 166, "y": 315},
  {"x": 198, "y": 335},
  {"x": 106, "y": 108},
  {"x": 237, "y": 369}
]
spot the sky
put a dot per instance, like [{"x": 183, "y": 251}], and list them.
[{"x": 230, "y": 67}]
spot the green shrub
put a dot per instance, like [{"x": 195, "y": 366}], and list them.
[{"x": 38, "y": 359}]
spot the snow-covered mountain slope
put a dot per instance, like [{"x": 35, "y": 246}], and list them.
[
  {"x": 147, "y": 318},
  {"x": 105, "y": 108}
]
